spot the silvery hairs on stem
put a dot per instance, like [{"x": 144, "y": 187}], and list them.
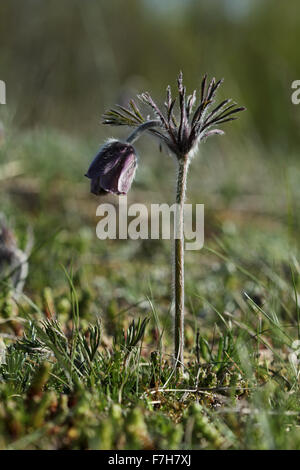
[{"x": 182, "y": 133}]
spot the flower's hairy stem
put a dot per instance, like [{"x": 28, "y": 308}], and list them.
[
  {"x": 183, "y": 165},
  {"x": 142, "y": 128}
]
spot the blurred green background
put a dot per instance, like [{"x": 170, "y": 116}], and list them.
[{"x": 65, "y": 61}]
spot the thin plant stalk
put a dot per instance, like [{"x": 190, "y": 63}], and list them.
[
  {"x": 136, "y": 134},
  {"x": 179, "y": 262}
]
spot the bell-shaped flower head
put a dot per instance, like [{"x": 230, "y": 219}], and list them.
[{"x": 113, "y": 168}]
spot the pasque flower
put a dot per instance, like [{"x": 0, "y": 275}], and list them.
[
  {"x": 113, "y": 168},
  {"x": 180, "y": 132}
]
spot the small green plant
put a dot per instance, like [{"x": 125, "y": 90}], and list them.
[{"x": 114, "y": 166}]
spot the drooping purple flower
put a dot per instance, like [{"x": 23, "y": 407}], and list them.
[{"x": 113, "y": 168}]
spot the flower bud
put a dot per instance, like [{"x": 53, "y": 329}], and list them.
[{"x": 113, "y": 168}]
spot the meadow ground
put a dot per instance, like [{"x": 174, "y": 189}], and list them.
[{"x": 79, "y": 374}]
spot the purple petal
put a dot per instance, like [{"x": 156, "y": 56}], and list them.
[{"x": 113, "y": 168}]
